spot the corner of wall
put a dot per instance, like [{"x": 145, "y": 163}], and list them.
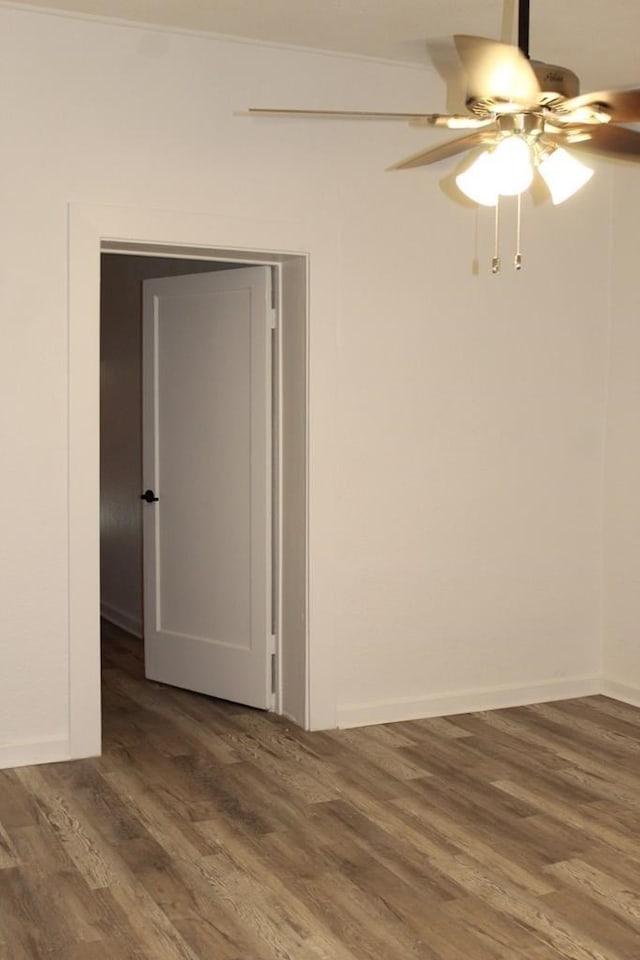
[
  {"x": 606, "y": 405},
  {"x": 620, "y": 691}
]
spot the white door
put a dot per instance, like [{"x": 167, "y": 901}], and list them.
[{"x": 207, "y": 414}]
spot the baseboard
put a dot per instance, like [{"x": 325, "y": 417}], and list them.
[
  {"x": 468, "y": 701},
  {"x": 27, "y": 754},
  {"x": 620, "y": 691},
  {"x": 121, "y": 619}
]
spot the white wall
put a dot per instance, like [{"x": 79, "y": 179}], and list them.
[
  {"x": 622, "y": 477},
  {"x": 456, "y": 446},
  {"x": 470, "y": 557}
]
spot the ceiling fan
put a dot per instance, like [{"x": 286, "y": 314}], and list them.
[{"x": 528, "y": 115}]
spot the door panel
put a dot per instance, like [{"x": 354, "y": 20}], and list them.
[{"x": 207, "y": 451}]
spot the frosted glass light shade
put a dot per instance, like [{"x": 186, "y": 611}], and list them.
[
  {"x": 563, "y": 174},
  {"x": 512, "y": 166},
  {"x": 478, "y": 181},
  {"x": 506, "y": 170}
]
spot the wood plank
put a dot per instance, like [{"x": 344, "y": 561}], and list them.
[{"x": 209, "y": 830}]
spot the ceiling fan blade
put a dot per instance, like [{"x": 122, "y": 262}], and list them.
[
  {"x": 623, "y": 106},
  {"x": 444, "y": 150},
  {"x": 428, "y": 119},
  {"x": 453, "y": 121},
  {"x": 617, "y": 141},
  {"x": 496, "y": 71}
]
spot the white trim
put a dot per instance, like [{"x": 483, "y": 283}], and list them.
[
  {"x": 203, "y": 33},
  {"x": 491, "y": 698},
  {"x": 26, "y": 754},
  {"x": 85, "y": 720},
  {"x": 122, "y": 619},
  {"x": 276, "y": 468},
  {"x": 309, "y": 721},
  {"x": 89, "y": 227},
  {"x": 620, "y": 691}
]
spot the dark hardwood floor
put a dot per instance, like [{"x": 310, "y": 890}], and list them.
[{"x": 209, "y": 831}]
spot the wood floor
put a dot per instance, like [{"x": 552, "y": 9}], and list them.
[{"x": 208, "y": 831}]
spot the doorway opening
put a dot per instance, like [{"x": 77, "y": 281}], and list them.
[
  {"x": 124, "y": 268},
  {"x": 309, "y": 413}
]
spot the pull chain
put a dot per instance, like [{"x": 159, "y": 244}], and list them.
[
  {"x": 517, "y": 260},
  {"x": 495, "y": 263}
]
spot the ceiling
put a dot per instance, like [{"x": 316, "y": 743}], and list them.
[{"x": 601, "y": 48}]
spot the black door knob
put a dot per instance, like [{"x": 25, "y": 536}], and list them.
[{"x": 149, "y": 496}]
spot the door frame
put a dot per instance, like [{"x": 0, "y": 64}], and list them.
[{"x": 91, "y": 231}]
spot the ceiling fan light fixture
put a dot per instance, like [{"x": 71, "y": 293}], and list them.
[
  {"x": 504, "y": 171},
  {"x": 478, "y": 182},
  {"x": 519, "y": 112},
  {"x": 511, "y": 161},
  {"x": 563, "y": 174}
]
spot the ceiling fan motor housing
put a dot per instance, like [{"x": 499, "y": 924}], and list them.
[
  {"x": 556, "y": 81},
  {"x": 557, "y": 84}
]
